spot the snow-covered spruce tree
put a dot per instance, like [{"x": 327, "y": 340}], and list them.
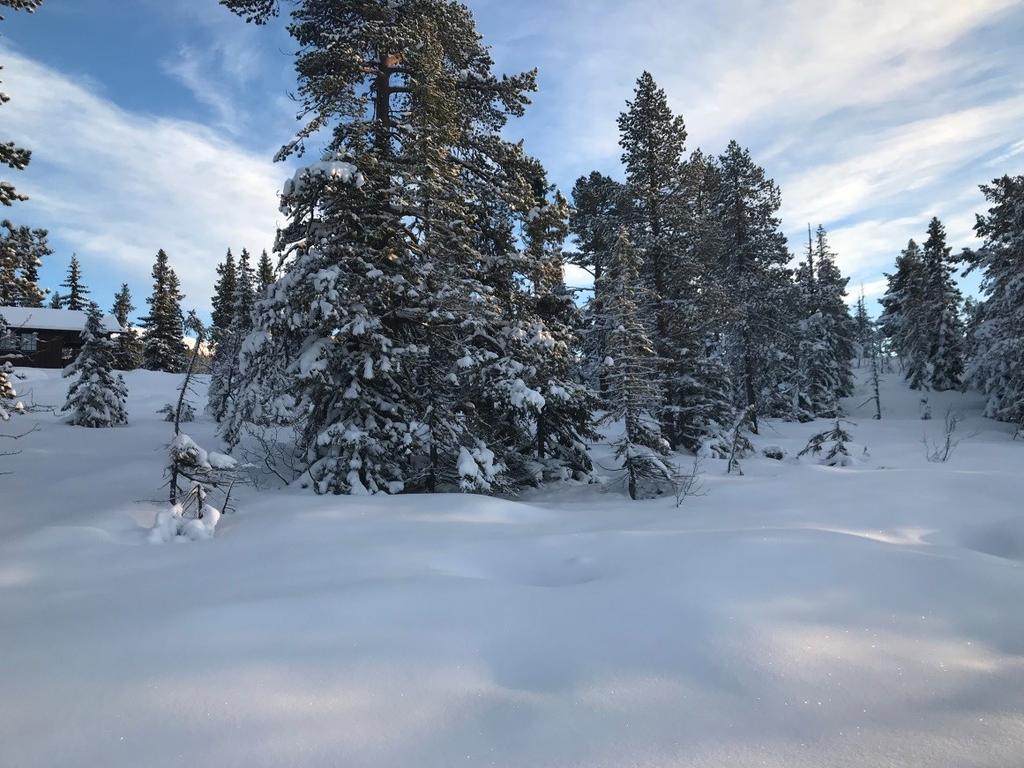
[
  {"x": 997, "y": 368},
  {"x": 753, "y": 256},
  {"x": 904, "y": 321},
  {"x": 22, "y": 250},
  {"x": 11, "y": 155},
  {"x": 76, "y": 296},
  {"x": 223, "y": 300},
  {"x": 596, "y": 215},
  {"x": 825, "y": 348},
  {"x": 563, "y": 425},
  {"x": 9, "y": 404},
  {"x": 128, "y": 352},
  {"x": 831, "y": 302},
  {"x": 264, "y": 273},
  {"x": 659, "y": 215},
  {"x": 833, "y": 443},
  {"x": 224, "y": 373},
  {"x": 163, "y": 347},
  {"x": 864, "y": 329},
  {"x": 942, "y": 311},
  {"x": 635, "y": 395},
  {"x": 96, "y": 397},
  {"x": 387, "y": 329}
]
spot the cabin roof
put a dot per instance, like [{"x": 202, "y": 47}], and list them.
[{"x": 46, "y": 319}]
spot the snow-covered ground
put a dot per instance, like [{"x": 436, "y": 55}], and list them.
[{"x": 796, "y": 616}]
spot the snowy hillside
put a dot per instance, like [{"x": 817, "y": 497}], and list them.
[{"x": 799, "y": 615}]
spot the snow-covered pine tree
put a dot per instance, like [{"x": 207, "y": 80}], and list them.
[
  {"x": 864, "y": 329},
  {"x": 123, "y": 306},
  {"x": 653, "y": 142},
  {"x": 11, "y": 155},
  {"x": 386, "y": 329},
  {"x": 97, "y": 397},
  {"x": 903, "y": 320},
  {"x": 76, "y": 296},
  {"x": 128, "y": 352},
  {"x": 834, "y": 443},
  {"x": 997, "y": 368},
  {"x": 942, "y": 311},
  {"x": 223, "y": 300},
  {"x": 9, "y": 404},
  {"x": 22, "y": 250},
  {"x": 245, "y": 291},
  {"x": 831, "y": 298},
  {"x": 754, "y": 257},
  {"x": 825, "y": 331},
  {"x": 594, "y": 221},
  {"x": 563, "y": 425},
  {"x": 635, "y": 397},
  {"x": 224, "y": 373},
  {"x": 264, "y": 273},
  {"x": 163, "y": 345},
  {"x": 55, "y": 300}
]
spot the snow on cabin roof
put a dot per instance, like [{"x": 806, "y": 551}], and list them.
[{"x": 45, "y": 319}]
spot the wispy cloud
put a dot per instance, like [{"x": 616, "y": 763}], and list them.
[
  {"x": 118, "y": 185},
  {"x": 872, "y": 115}
]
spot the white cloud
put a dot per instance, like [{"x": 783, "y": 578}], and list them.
[{"x": 117, "y": 185}]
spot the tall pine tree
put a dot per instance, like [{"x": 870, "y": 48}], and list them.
[
  {"x": 635, "y": 396},
  {"x": 76, "y": 296},
  {"x": 223, "y": 300},
  {"x": 264, "y": 272},
  {"x": 943, "y": 306},
  {"x": 997, "y": 368},
  {"x": 163, "y": 345},
  {"x": 399, "y": 335},
  {"x": 752, "y": 262},
  {"x": 904, "y": 321},
  {"x": 128, "y": 351}
]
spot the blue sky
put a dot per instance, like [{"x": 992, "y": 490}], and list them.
[{"x": 154, "y": 122}]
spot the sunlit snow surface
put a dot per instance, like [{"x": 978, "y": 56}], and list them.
[{"x": 798, "y": 616}]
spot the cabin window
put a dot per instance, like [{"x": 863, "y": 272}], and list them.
[
  {"x": 29, "y": 342},
  {"x": 8, "y": 343}
]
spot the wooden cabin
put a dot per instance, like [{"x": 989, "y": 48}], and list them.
[{"x": 45, "y": 338}]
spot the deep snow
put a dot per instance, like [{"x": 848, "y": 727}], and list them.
[{"x": 799, "y": 615}]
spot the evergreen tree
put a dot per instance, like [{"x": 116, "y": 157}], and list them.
[
  {"x": 597, "y": 214},
  {"x": 864, "y": 331},
  {"x": 123, "y": 306},
  {"x": 223, "y": 300},
  {"x": 12, "y": 156},
  {"x": 163, "y": 347},
  {"x": 244, "y": 292},
  {"x": 224, "y": 373},
  {"x": 831, "y": 298},
  {"x": 264, "y": 273},
  {"x": 564, "y": 422},
  {"x": 128, "y": 351},
  {"x": 22, "y": 250},
  {"x": 55, "y": 300},
  {"x": 75, "y": 299},
  {"x": 997, "y": 367},
  {"x": 942, "y": 312},
  {"x": 635, "y": 396},
  {"x": 904, "y": 321},
  {"x": 97, "y": 397},
  {"x": 653, "y": 141},
  {"x": 753, "y": 258},
  {"x": 9, "y": 404},
  {"x": 401, "y": 336}
]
